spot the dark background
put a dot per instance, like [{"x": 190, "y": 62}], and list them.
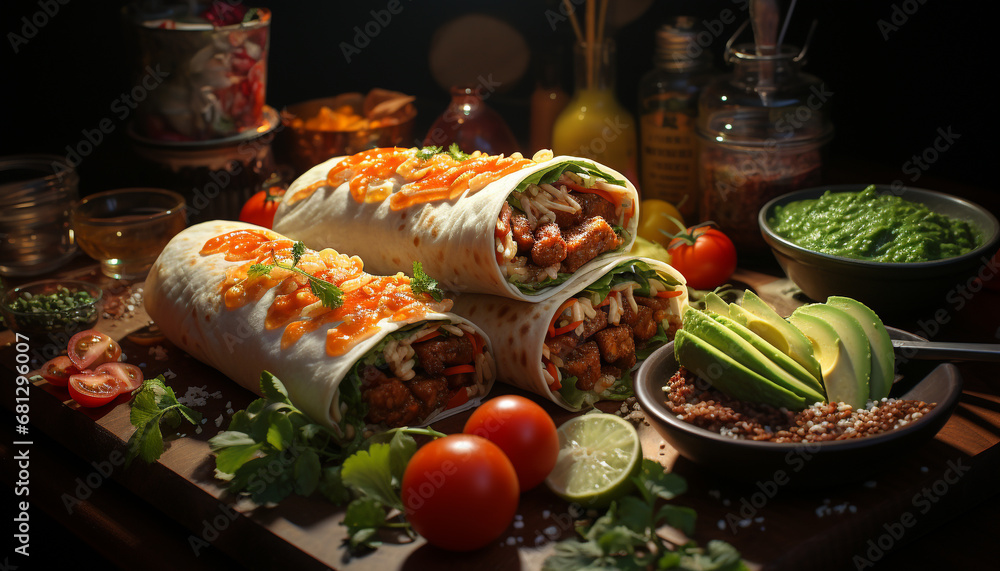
[{"x": 892, "y": 94}]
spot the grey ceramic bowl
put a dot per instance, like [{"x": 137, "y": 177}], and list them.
[
  {"x": 888, "y": 288},
  {"x": 804, "y": 465}
]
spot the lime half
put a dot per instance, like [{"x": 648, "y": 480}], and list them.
[{"x": 598, "y": 454}]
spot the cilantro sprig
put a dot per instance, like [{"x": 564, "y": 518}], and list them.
[
  {"x": 425, "y": 153},
  {"x": 625, "y": 536},
  {"x": 329, "y": 294},
  {"x": 154, "y": 402},
  {"x": 272, "y": 449},
  {"x": 423, "y": 283}
]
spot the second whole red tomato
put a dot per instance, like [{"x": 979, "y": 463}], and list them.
[
  {"x": 523, "y": 430},
  {"x": 704, "y": 256},
  {"x": 261, "y": 207},
  {"x": 460, "y": 492}
]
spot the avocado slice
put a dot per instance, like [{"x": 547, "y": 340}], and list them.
[
  {"x": 760, "y": 318},
  {"x": 730, "y": 377},
  {"x": 883, "y": 354},
  {"x": 772, "y": 353},
  {"x": 707, "y": 329},
  {"x": 715, "y": 304},
  {"x": 839, "y": 374}
]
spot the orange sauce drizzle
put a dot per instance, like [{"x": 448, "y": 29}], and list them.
[
  {"x": 437, "y": 178},
  {"x": 382, "y": 297}
]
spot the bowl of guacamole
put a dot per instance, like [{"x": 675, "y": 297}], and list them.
[{"x": 889, "y": 247}]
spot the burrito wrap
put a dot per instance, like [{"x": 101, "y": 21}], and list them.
[
  {"x": 454, "y": 240},
  {"x": 183, "y": 296},
  {"x": 518, "y": 329}
]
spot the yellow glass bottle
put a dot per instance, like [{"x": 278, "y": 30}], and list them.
[{"x": 594, "y": 124}]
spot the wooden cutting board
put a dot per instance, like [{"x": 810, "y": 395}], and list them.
[{"x": 774, "y": 526}]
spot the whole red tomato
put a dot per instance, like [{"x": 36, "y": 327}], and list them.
[
  {"x": 460, "y": 492},
  {"x": 261, "y": 207},
  {"x": 523, "y": 430},
  {"x": 704, "y": 256}
]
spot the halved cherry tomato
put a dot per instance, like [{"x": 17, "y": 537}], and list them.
[
  {"x": 129, "y": 376},
  {"x": 704, "y": 256},
  {"x": 523, "y": 430},
  {"x": 58, "y": 370},
  {"x": 261, "y": 207},
  {"x": 460, "y": 492},
  {"x": 93, "y": 389},
  {"x": 89, "y": 349}
]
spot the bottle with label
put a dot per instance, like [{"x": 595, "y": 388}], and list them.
[
  {"x": 668, "y": 106},
  {"x": 594, "y": 124}
]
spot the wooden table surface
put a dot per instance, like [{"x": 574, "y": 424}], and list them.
[{"x": 936, "y": 505}]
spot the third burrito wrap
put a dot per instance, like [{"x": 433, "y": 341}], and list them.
[
  {"x": 508, "y": 226},
  {"x": 582, "y": 345}
]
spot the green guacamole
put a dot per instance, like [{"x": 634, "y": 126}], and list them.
[{"x": 870, "y": 226}]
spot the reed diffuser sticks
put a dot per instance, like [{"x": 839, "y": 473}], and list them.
[{"x": 595, "y": 20}]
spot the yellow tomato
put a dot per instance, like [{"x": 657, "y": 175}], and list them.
[{"x": 653, "y": 217}]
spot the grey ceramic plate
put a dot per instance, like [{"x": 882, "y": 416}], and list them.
[{"x": 814, "y": 464}]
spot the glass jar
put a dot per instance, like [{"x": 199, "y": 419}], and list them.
[
  {"x": 762, "y": 131},
  {"x": 668, "y": 106},
  {"x": 472, "y": 124},
  {"x": 35, "y": 196},
  {"x": 594, "y": 124}
]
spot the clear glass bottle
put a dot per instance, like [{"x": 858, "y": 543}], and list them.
[
  {"x": 762, "y": 130},
  {"x": 668, "y": 106},
  {"x": 594, "y": 124}
]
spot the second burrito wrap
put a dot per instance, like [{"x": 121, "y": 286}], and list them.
[
  {"x": 582, "y": 345},
  {"x": 508, "y": 226}
]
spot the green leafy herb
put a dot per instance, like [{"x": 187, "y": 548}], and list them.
[
  {"x": 329, "y": 294},
  {"x": 272, "y": 449},
  {"x": 625, "y": 536},
  {"x": 629, "y": 271},
  {"x": 154, "y": 402},
  {"x": 456, "y": 153},
  {"x": 423, "y": 283},
  {"x": 426, "y": 153}
]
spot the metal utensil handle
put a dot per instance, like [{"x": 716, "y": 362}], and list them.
[{"x": 947, "y": 350}]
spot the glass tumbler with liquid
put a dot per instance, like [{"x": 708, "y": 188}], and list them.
[{"x": 126, "y": 229}]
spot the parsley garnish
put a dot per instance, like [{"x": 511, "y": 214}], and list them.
[
  {"x": 423, "y": 283},
  {"x": 456, "y": 153},
  {"x": 154, "y": 402},
  {"x": 273, "y": 449},
  {"x": 625, "y": 536},
  {"x": 426, "y": 153},
  {"x": 329, "y": 294}
]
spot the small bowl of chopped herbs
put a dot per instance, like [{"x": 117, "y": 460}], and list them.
[{"x": 51, "y": 306}]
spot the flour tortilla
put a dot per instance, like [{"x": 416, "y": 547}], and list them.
[
  {"x": 183, "y": 296},
  {"x": 518, "y": 328},
  {"x": 453, "y": 240}
]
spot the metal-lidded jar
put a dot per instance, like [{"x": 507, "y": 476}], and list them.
[
  {"x": 36, "y": 192},
  {"x": 762, "y": 131}
]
